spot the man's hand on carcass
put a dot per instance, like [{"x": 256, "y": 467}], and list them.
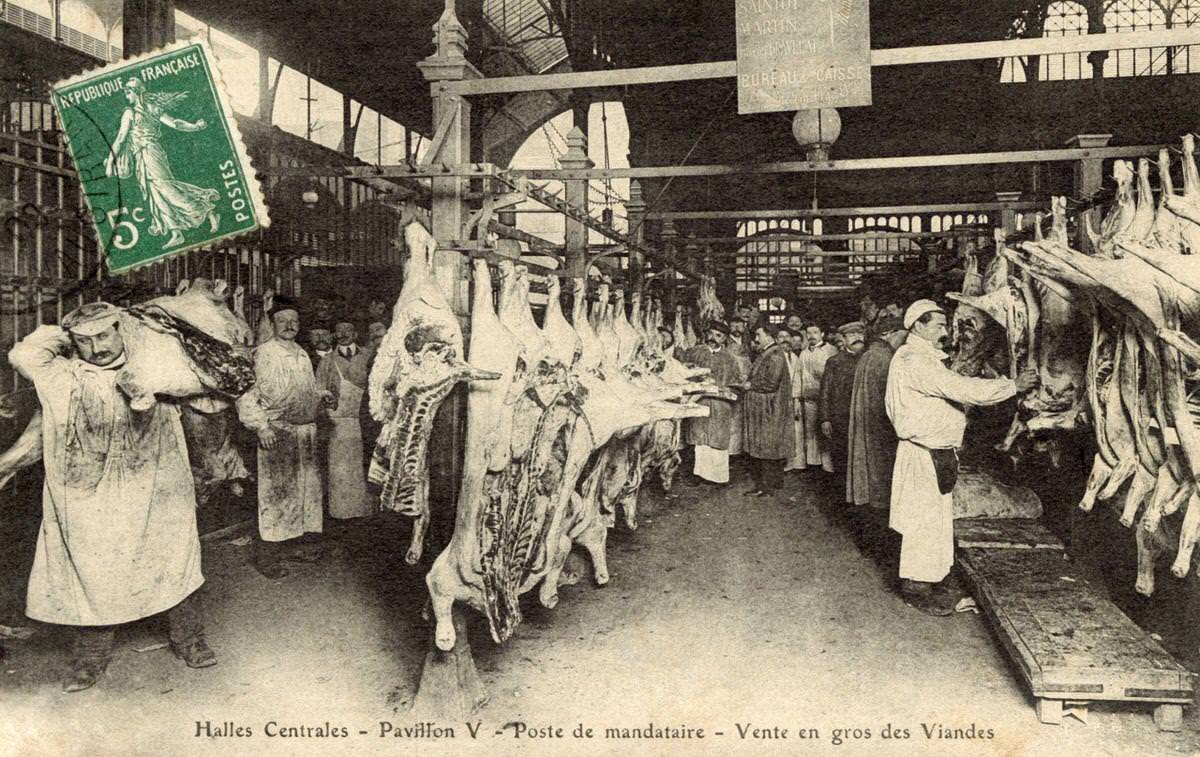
[
  {"x": 1027, "y": 380},
  {"x": 827, "y": 429},
  {"x": 266, "y": 438}
]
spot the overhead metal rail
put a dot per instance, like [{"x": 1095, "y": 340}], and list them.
[
  {"x": 484, "y": 170},
  {"x": 1008, "y": 48}
]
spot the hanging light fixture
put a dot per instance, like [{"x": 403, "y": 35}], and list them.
[{"x": 816, "y": 131}]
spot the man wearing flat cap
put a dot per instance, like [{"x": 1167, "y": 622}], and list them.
[
  {"x": 290, "y": 401},
  {"x": 924, "y": 401},
  {"x": 837, "y": 385},
  {"x": 710, "y": 436},
  {"x": 118, "y": 539},
  {"x": 872, "y": 441}
]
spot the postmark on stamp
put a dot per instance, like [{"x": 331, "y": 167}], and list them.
[{"x": 159, "y": 156}]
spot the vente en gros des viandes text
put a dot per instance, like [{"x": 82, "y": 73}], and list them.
[{"x": 650, "y": 731}]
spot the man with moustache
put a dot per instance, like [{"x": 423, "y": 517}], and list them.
[
  {"x": 813, "y": 352},
  {"x": 290, "y": 401},
  {"x": 735, "y": 345},
  {"x": 924, "y": 401},
  {"x": 710, "y": 436},
  {"x": 837, "y": 385},
  {"x": 320, "y": 344},
  {"x": 769, "y": 439},
  {"x": 343, "y": 373},
  {"x": 118, "y": 539}
]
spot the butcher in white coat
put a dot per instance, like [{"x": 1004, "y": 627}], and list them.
[
  {"x": 287, "y": 403},
  {"x": 812, "y": 352},
  {"x": 118, "y": 540},
  {"x": 924, "y": 400}
]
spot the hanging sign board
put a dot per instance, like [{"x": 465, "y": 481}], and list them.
[{"x": 802, "y": 54}]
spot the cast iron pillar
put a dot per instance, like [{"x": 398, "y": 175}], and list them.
[
  {"x": 1088, "y": 179},
  {"x": 147, "y": 25},
  {"x": 576, "y": 240}
]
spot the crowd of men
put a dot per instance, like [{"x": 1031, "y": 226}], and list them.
[
  {"x": 871, "y": 402},
  {"x": 119, "y": 539},
  {"x": 872, "y": 409}
]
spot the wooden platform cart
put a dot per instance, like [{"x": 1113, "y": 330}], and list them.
[{"x": 1070, "y": 644}]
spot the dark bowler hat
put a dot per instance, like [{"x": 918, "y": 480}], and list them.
[{"x": 283, "y": 302}]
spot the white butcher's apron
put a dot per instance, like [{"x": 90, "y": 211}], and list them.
[
  {"x": 347, "y": 479},
  {"x": 922, "y": 515},
  {"x": 289, "y": 484},
  {"x": 712, "y": 464},
  {"x": 118, "y": 540}
]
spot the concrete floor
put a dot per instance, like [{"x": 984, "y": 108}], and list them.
[{"x": 722, "y": 611}]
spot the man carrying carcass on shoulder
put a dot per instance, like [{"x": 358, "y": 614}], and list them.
[
  {"x": 288, "y": 403},
  {"x": 118, "y": 540},
  {"x": 924, "y": 401},
  {"x": 710, "y": 436},
  {"x": 769, "y": 439}
]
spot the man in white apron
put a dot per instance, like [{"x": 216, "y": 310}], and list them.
[
  {"x": 118, "y": 539},
  {"x": 923, "y": 400},
  {"x": 343, "y": 373},
  {"x": 288, "y": 402},
  {"x": 812, "y": 352}
]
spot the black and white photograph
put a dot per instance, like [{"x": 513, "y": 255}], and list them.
[{"x": 599, "y": 377}]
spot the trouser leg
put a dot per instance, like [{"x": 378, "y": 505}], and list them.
[
  {"x": 185, "y": 620},
  {"x": 772, "y": 475},
  {"x": 94, "y": 644}
]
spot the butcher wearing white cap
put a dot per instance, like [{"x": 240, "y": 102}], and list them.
[{"x": 924, "y": 400}]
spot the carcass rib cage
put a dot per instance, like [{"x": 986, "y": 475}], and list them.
[
  {"x": 516, "y": 522},
  {"x": 1141, "y": 291}
]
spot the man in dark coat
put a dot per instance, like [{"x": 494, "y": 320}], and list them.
[
  {"x": 710, "y": 436},
  {"x": 769, "y": 437},
  {"x": 872, "y": 438},
  {"x": 837, "y": 386}
]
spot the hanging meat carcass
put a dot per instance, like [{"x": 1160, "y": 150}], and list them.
[
  {"x": 708, "y": 306},
  {"x": 188, "y": 346},
  {"x": 418, "y": 364},
  {"x": 1144, "y": 300},
  {"x": 516, "y": 525}
]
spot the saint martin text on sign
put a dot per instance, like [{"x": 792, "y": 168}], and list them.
[{"x": 801, "y": 54}]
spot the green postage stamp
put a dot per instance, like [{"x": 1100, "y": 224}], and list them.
[{"x": 159, "y": 156}]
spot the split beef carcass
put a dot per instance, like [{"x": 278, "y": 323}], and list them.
[
  {"x": 417, "y": 366},
  {"x": 516, "y": 525},
  {"x": 708, "y": 305},
  {"x": 1145, "y": 301}
]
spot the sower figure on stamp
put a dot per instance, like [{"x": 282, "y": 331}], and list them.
[
  {"x": 118, "y": 540},
  {"x": 288, "y": 403},
  {"x": 175, "y": 206}
]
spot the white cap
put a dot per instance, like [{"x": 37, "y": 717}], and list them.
[{"x": 918, "y": 309}]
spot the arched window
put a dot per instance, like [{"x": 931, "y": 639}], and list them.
[
  {"x": 1137, "y": 16},
  {"x": 1063, "y": 19},
  {"x": 1068, "y": 18}
]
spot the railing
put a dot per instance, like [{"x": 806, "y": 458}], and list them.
[{"x": 73, "y": 38}]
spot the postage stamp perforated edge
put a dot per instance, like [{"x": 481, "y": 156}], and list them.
[{"x": 253, "y": 185}]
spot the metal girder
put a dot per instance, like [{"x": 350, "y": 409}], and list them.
[
  {"x": 1008, "y": 48},
  {"x": 477, "y": 170},
  {"x": 865, "y": 236},
  {"x": 882, "y": 210}
]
